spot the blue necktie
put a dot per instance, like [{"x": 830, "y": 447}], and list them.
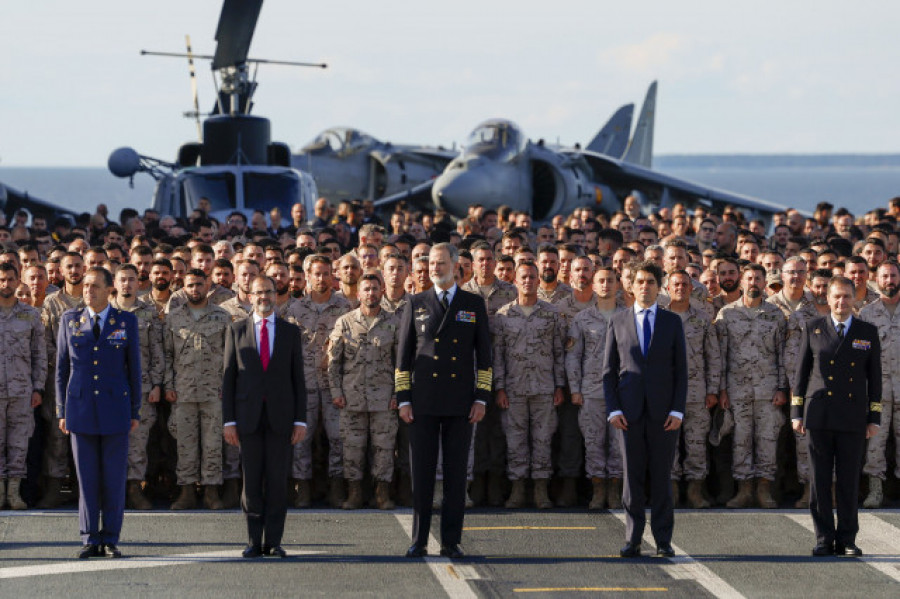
[{"x": 647, "y": 332}]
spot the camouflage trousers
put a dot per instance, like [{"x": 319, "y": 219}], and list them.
[
  {"x": 137, "y": 441},
  {"x": 318, "y": 403},
  {"x": 56, "y": 443},
  {"x": 16, "y": 428},
  {"x": 876, "y": 450},
  {"x": 603, "y": 456},
  {"x": 231, "y": 467},
  {"x": 534, "y": 416},
  {"x": 757, "y": 423},
  {"x": 197, "y": 428},
  {"x": 694, "y": 435},
  {"x": 358, "y": 431}
]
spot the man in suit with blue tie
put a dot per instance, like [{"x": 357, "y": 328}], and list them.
[
  {"x": 264, "y": 411},
  {"x": 98, "y": 400},
  {"x": 645, "y": 385}
]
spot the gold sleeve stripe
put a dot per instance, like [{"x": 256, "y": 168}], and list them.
[
  {"x": 796, "y": 400},
  {"x": 485, "y": 379},
  {"x": 402, "y": 380},
  {"x": 875, "y": 406}
]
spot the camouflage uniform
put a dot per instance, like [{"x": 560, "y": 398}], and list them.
[
  {"x": 704, "y": 374},
  {"x": 236, "y": 308},
  {"x": 195, "y": 352},
  {"x": 871, "y": 296},
  {"x": 217, "y": 295},
  {"x": 56, "y": 448},
  {"x": 584, "y": 368},
  {"x": 361, "y": 357},
  {"x": 699, "y": 297},
  {"x": 316, "y": 321},
  {"x": 529, "y": 365},
  {"x": 24, "y": 371},
  {"x": 397, "y": 306},
  {"x": 752, "y": 350},
  {"x": 889, "y": 334},
  {"x": 153, "y": 364},
  {"x": 554, "y": 297},
  {"x": 489, "y": 440},
  {"x": 401, "y": 463},
  {"x": 797, "y": 314},
  {"x": 353, "y": 302}
]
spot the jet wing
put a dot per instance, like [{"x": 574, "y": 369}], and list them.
[
  {"x": 12, "y": 200},
  {"x": 420, "y": 196}
]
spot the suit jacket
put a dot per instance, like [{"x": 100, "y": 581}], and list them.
[
  {"x": 837, "y": 386},
  {"x": 245, "y": 383},
  {"x": 633, "y": 383},
  {"x": 440, "y": 352},
  {"x": 98, "y": 381}
]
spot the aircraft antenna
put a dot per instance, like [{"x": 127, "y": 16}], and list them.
[{"x": 194, "y": 94}]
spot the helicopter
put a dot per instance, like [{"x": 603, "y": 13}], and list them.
[{"x": 235, "y": 166}]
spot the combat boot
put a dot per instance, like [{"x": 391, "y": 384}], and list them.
[
  {"x": 383, "y": 495},
  {"x": 404, "y": 490},
  {"x": 438, "y": 499},
  {"x": 614, "y": 494},
  {"x": 676, "y": 492},
  {"x": 231, "y": 495},
  {"x": 13, "y": 497},
  {"x": 764, "y": 494},
  {"x": 477, "y": 489},
  {"x": 598, "y": 499},
  {"x": 803, "y": 502},
  {"x": 354, "y": 496},
  {"x": 304, "y": 494},
  {"x": 876, "y": 495},
  {"x": 187, "y": 499},
  {"x": 695, "y": 496},
  {"x": 568, "y": 496},
  {"x": 541, "y": 499},
  {"x": 744, "y": 495},
  {"x": 517, "y": 495},
  {"x": 53, "y": 497},
  {"x": 211, "y": 498},
  {"x": 495, "y": 489},
  {"x": 134, "y": 497},
  {"x": 336, "y": 492}
]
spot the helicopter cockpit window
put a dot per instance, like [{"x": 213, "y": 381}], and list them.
[
  {"x": 499, "y": 141},
  {"x": 218, "y": 187},
  {"x": 264, "y": 191}
]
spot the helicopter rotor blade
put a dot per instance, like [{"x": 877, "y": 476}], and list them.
[{"x": 235, "y": 32}]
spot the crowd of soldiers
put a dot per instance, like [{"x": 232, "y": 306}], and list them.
[{"x": 744, "y": 292}]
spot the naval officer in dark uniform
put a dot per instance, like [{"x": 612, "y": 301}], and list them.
[
  {"x": 443, "y": 382},
  {"x": 98, "y": 400},
  {"x": 837, "y": 402}
]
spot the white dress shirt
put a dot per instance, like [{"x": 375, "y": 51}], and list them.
[{"x": 102, "y": 314}]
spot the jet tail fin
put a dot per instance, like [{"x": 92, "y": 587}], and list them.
[
  {"x": 612, "y": 139},
  {"x": 640, "y": 150}
]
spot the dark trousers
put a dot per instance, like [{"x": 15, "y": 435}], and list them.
[
  {"x": 101, "y": 462},
  {"x": 840, "y": 453},
  {"x": 570, "y": 460},
  {"x": 646, "y": 447},
  {"x": 454, "y": 433},
  {"x": 266, "y": 462}
]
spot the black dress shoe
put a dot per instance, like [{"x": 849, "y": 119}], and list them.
[
  {"x": 849, "y": 550},
  {"x": 665, "y": 550},
  {"x": 416, "y": 550},
  {"x": 252, "y": 551},
  {"x": 112, "y": 550},
  {"x": 89, "y": 550},
  {"x": 452, "y": 551},
  {"x": 630, "y": 550},
  {"x": 276, "y": 551},
  {"x": 823, "y": 550}
]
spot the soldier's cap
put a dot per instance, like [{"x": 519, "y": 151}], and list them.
[
  {"x": 774, "y": 278},
  {"x": 722, "y": 425}
]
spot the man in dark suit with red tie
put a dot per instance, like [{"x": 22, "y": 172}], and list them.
[
  {"x": 645, "y": 385},
  {"x": 836, "y": 401},
  {"x": 443, "y": 382},
  {"x": 264, "y": 411}
]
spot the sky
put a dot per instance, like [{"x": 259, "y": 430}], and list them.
[{"x": 763, "y": 77}]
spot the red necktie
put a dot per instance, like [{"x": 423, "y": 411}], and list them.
[{"x": 264, "y": 344}]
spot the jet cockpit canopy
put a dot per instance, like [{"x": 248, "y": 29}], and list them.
[
  {"x": 338, "y": 140},
  {"x": 496, "y": 139}
]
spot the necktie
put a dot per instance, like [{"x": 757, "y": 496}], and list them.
[
  {"x": 647, "y": 332},
  {"x": 444, "y": 301},
  {"x": 97, "y": 326},
  {"x": 264, "y": 344},
  {"x": 840, "y": 330}
]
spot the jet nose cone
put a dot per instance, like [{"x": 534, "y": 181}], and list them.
[
  {"x": 489, "y": 184},
  {"x": 455, "y": 191}
]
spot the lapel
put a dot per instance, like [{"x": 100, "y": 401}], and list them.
[
  {"x": 248, "y": 339},
  {"x": 451, "y": 309},
  {"x": 631, "y": 330},
  {"x": 281, "y": 338},
  {"x": 834, "y": 342}
]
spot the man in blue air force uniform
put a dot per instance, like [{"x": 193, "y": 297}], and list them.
[{"x": 98, "y": 390}]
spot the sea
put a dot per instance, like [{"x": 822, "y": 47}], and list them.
[{"x": 857, "y": 182}]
